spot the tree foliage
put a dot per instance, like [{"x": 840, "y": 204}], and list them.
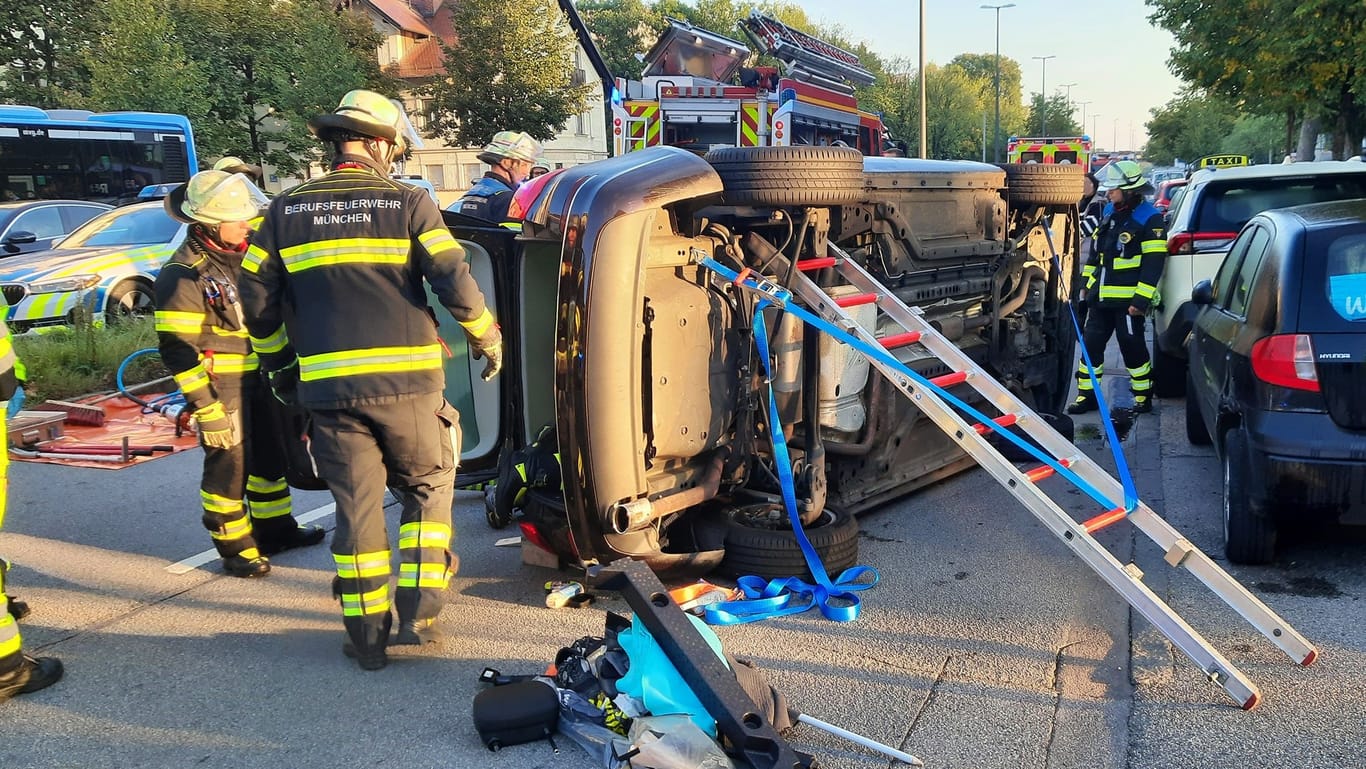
[
  {"x": 1058, "y": 118},
  {"x": 510, "y": 69},
  {"x": 1194, "y": 125},
  {"x": 43, "y": 45},
  {"x": 140, "y": 63}
]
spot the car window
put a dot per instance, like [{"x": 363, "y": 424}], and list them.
[
  {"x": 1346, "y": 263},
  {"x": 45, "y": 222},
  {"x": 1228, "y": 269},
  {"x": 1228, "y": 206},
  {"x": 126, "y": 227},
  {"x": 75, "y": 216},
  {"x": 1247, "y": 270}
]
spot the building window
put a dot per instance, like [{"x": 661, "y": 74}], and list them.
[
  {"x": 436, "y": 175},
  {"x": 472, "y": 172},
  {"x": 581, "y": 124}
]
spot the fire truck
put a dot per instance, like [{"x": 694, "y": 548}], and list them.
[
  {"x": 1052, "y": 149},
  {"x": 695, "y": 93}
]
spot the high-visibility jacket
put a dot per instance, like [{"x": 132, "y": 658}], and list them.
[
  {"x": 201, "y": 332},
  {"x": 11, "y": 373},
  {"x": 1130, "y": 252},
  {"x": 489, "y": 198},
  {"x": 335, "y": 276}
]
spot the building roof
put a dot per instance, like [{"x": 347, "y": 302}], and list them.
[{"x": 403, "y": 16}]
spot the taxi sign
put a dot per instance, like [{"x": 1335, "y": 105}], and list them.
[{"x": 1222, "y": 161}]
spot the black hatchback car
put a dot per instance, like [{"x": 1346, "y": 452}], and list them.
[
  {"x": 1277, "y": 377},
  {"x": 33, "y": 225}
]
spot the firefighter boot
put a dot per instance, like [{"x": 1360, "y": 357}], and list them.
[
  {"x": 374, "y": 637},
  {"x": 242, "y": 566},
  {"x": 1084, "y": 404},
  {"x": 1142, "y": 404},
  {"x": 299, "y": 536},
  {"x": 33, "y": 673},
  {"x": 418, "y": 632},
  {"x": 18, "y": 609}
]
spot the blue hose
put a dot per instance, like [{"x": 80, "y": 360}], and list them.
[{"x": 154, "y": 404}]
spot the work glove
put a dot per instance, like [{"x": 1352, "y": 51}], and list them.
[
  {"x": 489, "y": 346},
  {"x": 1089, "y": 224},
  {"x": 216, "y": 426},
  {"x": 284, "y": 383}
]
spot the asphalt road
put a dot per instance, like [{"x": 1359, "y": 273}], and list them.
[{"x": 987, "y": 643}]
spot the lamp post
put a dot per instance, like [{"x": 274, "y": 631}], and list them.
[
  {"x": 924, "y": 123},
  {"x": 1114, "y": 133},
  {"x": 1083, "y": 115},
  {"x": 996, "y": 136},
  {"x": 1068, "y": 97},
  {"x": 1094, "y": 119},
  {"x": 1043, "y": 92}
]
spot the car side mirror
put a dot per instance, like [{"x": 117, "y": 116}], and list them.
[
  {"x": 1203, "y": 293},
  {"x": 1167, "y": 218},
  {"x": 21, "y": 236}
]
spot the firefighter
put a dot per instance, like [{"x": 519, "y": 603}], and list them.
[
  {"x": 1120, "y": 282},
  {"x": 511, "y": 155},
  {"x": 203, "y": 341},
  {"x": 333, "y": 288},
  {"x": 235, "y": 165},
  {"x": 19, "y": 673},
  {"x": 538, "y": 169}
]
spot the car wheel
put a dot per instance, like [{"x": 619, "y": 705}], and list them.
[
  {"x": 129, "y": 299},
  {"x": 760, "y": 541},
  {"x": 1195, "y": 424},
  {"x": 1043, "y": 184},
  {"x": 1169, "y": 374},
  {"x": 790, "y": 176},
  {"x": 1249, "y": 534}
]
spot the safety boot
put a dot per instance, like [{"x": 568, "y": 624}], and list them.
[
  {"x": 241, "y": 566},
  {"x": 299, "y": 536},
  {"x": 1084, "y": 404},
  {"x": 418, "y": 632},
  {"x": 33, "y": 673},
  {"x": 18, "y": 609},
  {"x": 370, "y": 656},
  {"x": 1142, "y": 404}
]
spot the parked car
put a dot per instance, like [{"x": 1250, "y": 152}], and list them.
[
  {"x": 1162, "y": 199},
  {"x": 33, "y": 225},
  {"x": 104, "y": 270},
  {"x": 642, "y": 363},
  {"x": 1214, "y": 207},
  {"x": 1277, "y": 376}
]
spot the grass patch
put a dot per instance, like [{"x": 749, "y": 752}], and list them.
[{"x": 66, "y": 363}]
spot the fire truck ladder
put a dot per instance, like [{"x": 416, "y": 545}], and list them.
[{"x": 1061, "y": 458}]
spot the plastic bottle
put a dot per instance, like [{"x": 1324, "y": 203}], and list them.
[{"x": 558, "y": 594}]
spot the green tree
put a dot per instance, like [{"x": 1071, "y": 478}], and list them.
[
  {"x": 139, "y": 63},
  {"x": 509, "y": 69},
  {"x": 621, "y": 29},
  {"x": 1191, "y": 126},
  {"x": 981, "y": 69},
  {"x": 1058, "y": 118},
  {"x": 42, "y": 45}
]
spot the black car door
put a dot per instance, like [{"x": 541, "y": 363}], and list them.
[{"x": 1205, "y": 357}]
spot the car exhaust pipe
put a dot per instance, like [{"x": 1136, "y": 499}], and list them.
[{"x": 638, "y": 513}]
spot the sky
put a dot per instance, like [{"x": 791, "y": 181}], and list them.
[{"x": 1119, "y": 65}]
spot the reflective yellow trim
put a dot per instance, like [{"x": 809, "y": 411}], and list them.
[
  {"x": 326, "y": 253},
  {"x": 1154, "y": 246},
  {"x": 361, "y": 604},
  {"x": 421, "y": 534},
  {"x": 269, "y": 508},
  {"x": 227, "y": 332},
  {"x": 438, "y": 242},
  {"x": 1081, "y": 368},
  {"x": 1141, "y": 371},
  {"x": 424, "y": 575},
  {"x": 1088, "y": 270},
  {"x": 1084, "y": 385},
  {"x": 217, "y": 504},
  {"x": 1144, "y": 290},
  {"x": 192, "y": 379},
  {"x": 254, "y": 258},
  {"x": 477, "y": 327},
  {"x": 360, "y": 565},
  {"x": 271, "y": 344},
  {"x": 234, "y": 529},
  {"x": 212, "y": 411},
  {"x": 259, "y": 485},
  {"x": 173, "y": 322},
  {"x": 1126, "y": 262},
  {"x": 371, "y": 360},
  {"x": 234, "y": 363},
  {"x": 1116, "y": 292},
  {"x": 10, "y": 642}
]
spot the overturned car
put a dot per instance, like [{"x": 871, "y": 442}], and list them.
[{"x": 634, "y": 371}]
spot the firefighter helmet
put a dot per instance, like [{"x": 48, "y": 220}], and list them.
[
  {"x": 366, "y": 113},
  {"x": 514, "y": 145},
  {"x": 215, "y": 197},
  {"x": 1123, "y": 175},
  {"x": 235, "y": 165}
]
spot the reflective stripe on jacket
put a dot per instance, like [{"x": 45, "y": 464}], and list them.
[
  {"x": 1131, "y": 250},
  {"x": 335, "y": 276}
]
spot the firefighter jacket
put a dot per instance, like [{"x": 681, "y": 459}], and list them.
[
  {"x": 1130, "y": 252},
  {"x": 200, "y": 329},
  {"x": 489, "y": 199},
  {"x": 335, "y": 277}
]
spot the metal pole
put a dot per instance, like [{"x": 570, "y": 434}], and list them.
[
  {"x": 1043, "y": 93},
  {"x": 984, "y": 137},
  {"x": 1095, "y": 127},
  {"x": 996, "y": 135},
  {"x": 1083, "y": 116},
  {"x": 923, "y": 121}
]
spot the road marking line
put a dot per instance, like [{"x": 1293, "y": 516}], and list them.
[{"x": 199, "y": 559}]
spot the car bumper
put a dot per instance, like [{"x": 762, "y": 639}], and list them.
[{"x": 1309, "y": 464}]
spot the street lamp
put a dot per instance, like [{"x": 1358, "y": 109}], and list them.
[
  {"x": 1094, "y": 119},
  {"x": 996, "y": 136},
  {"x": 1043, "y": 92},
  {"x": 1083, "y": 115},
  {"x": 1068, "y": 86},
  {"x": 1114, "y": 133}
]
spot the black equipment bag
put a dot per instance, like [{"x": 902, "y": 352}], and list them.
[
  {"x": 516, "y": 713},
  {"x": 291, "y": 435}
]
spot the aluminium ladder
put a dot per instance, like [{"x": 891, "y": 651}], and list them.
[{"x": 930, "y": 397}]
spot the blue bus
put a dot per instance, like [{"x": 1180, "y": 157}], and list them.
[{"x": 78, "y": 155}]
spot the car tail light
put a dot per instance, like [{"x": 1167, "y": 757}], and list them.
[
  {"x": 1190, "y": 242},
  {"x": 1286, "y": 360},
  {"x": 534, "y": 536},
  {"x": 526, "y": 195}
]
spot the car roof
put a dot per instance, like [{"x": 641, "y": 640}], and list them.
[
  {"x": 16, "y": 205},
  {"x": 1317, "y": 168},
  {"x": 1323, "y": 215}
]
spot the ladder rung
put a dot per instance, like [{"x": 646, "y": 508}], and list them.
[
  {"x": 807, "y": 265},
  {"x": 948, "y": 380},
  {"x": 1105, "y": 519},
  {"x": 1045, "y": 471},
  {"x": 900, "y": 340},
  {"x": 854, "y": 300},
  {"x": 1004, "y": 420}
]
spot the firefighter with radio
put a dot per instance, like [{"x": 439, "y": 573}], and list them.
[
  {"x": 511, "y": 155},
  {"x": 1120, "y": 282},
  {"x": 333, "y": 289},
  {"x": 203, "y": 341}
]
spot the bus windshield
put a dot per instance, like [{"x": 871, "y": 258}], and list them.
[{"x": 77, "y": 155}]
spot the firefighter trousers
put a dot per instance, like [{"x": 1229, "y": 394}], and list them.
[
  {"x": 1101, "y": 322},
  {"x": 243, "y": 489},
  {"x": 411, "y": 446}
]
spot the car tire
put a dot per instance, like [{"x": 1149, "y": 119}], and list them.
[
  {"x": 1249, "y": 534},
  {"x": 1196, "y": 432},
  {"x": 789, "y": 176},
  {"x": 1169, "y": 374},
  {"x": 755, "y": 545},
  {"x": 1043, "y": 184},
  {"x": 129, "y": 299}
]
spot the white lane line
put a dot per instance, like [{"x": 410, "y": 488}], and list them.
[{"x": 199, "y": 559}]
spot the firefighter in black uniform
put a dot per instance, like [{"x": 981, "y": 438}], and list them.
[
  {"x": 511, "y": 155},
  {"x": 333, "y": 290},
  {"x": 203, "y": 341},
  {"x": 1120, "y": 283}
]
